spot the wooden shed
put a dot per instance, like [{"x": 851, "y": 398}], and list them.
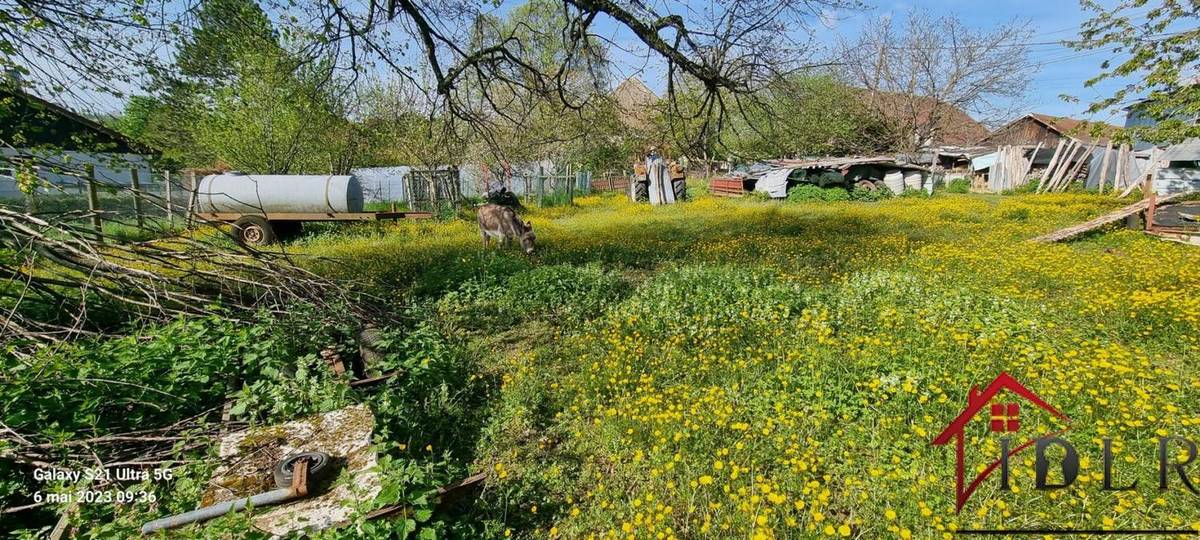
[{"x": 1035, "y": 128}]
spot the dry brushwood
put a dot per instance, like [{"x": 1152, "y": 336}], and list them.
[{"x": 69, "y": 271}]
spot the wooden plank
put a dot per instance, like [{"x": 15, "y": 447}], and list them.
[
  {"x": 1177, "y": 236},
  {"x": 1063, "y": 163},
  {"x": 1029, "y": 167},
  {"x": 191, "y": 203},
  {"x": 1096, "y": 223},
  {"x": 1104, "y": 168},
  {"x": 371, "y": 381},
  {"x": 1050, "y": 166},
  {"x": 445, "y": 495},
  {"x": 1086, "y": 157},
  {"x": 996, "y": 174},
  {"x": 170, "y": 206}
]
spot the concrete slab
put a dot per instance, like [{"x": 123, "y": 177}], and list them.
[{"x": 247, "y": 458}]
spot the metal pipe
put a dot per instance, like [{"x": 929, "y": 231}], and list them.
[{"x": 217, "y": 510}]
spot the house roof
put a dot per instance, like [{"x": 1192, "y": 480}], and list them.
[
  {"x": 954, "y": 126},
  {"x": 977, "y": 400},
  {"x": 48, "y": 123},
  {"x": 1071, "y": 127},
  {"x": 634, "y": 102}
]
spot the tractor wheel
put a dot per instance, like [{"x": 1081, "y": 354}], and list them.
[
  {"x": 641, "y": 191},
  {"x": 680, "y": 187},
  {"x": 253, "y": 231}
]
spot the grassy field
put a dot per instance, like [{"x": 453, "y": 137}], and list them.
[
  {"x": 713, "y": 369},
  {"x": 755, "y": 369}
]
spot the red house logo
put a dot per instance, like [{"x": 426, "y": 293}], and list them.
[{"x": 1003, "y": 418}]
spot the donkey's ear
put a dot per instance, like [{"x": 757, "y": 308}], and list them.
[{"x": 528, "y": 226}]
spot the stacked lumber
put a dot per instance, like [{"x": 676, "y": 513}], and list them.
[
  {"x": 1011, "y": 169},
  {"x": 1072, "y": 155}
]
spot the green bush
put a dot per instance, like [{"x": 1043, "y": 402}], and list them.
[
  {"x": 834, "y": 194},
  {"x": 869, "y": 195},
  {"x": 959, "y": 185},
  {"x": 805, "y": 192},
  {"x": 809, "y": 192}
]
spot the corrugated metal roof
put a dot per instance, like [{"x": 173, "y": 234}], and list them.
[
  {"x": 1188, "y": 150},
  {"x": 840, "y": 162}
]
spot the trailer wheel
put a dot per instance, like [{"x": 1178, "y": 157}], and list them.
[
  {"x": 253, "y": 231},
  {"x": 865, "y": 184}
]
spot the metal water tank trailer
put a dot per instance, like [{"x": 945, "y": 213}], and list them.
[{"x": 241, "y": 193}]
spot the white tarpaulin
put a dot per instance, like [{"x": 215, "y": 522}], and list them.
[
  {"x": 773, "y": 183},
  {"x": 661, "y": 190},
  {"x": 985, "y": 161}
]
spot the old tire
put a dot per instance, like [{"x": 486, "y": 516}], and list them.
[
  {"x": 320, "y": 465},
  {"x": 253, "y": 231},
  {"x": 680, "y": 187},
  {"x": 641, "y": 191},
  {"x": 865, "y": 184}
]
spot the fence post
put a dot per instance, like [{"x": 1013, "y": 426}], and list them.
[
  {"x": 136, "y": 184},
  {"x": 433, "y": 198},
  {"x": 570, "y": 187},
  {"x": 94, "y": 201},
  {"x": 191, "y": 204},
  {"x": 170, "y": 206}
]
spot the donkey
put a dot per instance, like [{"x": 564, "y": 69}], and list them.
[{"x": 501, "y": 222}]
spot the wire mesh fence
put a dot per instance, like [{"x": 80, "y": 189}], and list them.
[{"x": 143, "y": 204}]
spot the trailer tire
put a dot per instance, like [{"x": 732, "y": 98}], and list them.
[
  {"x": 865, "y": 184},
  {"x": 253, "y": 231}
]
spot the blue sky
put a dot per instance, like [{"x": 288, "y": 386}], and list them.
[{"x": 1061, "y": 70}]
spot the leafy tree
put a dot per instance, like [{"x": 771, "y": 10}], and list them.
[
  {"x": 1160, "y": 53},
  {"x": 225, "y": 31},
  {"x": 272, "y": 120},
  {"x": 808, "y": 116},
  {"x": 571, "y": 120}
]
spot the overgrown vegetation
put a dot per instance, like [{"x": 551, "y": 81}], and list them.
[{"x": 647, "y": 359}]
